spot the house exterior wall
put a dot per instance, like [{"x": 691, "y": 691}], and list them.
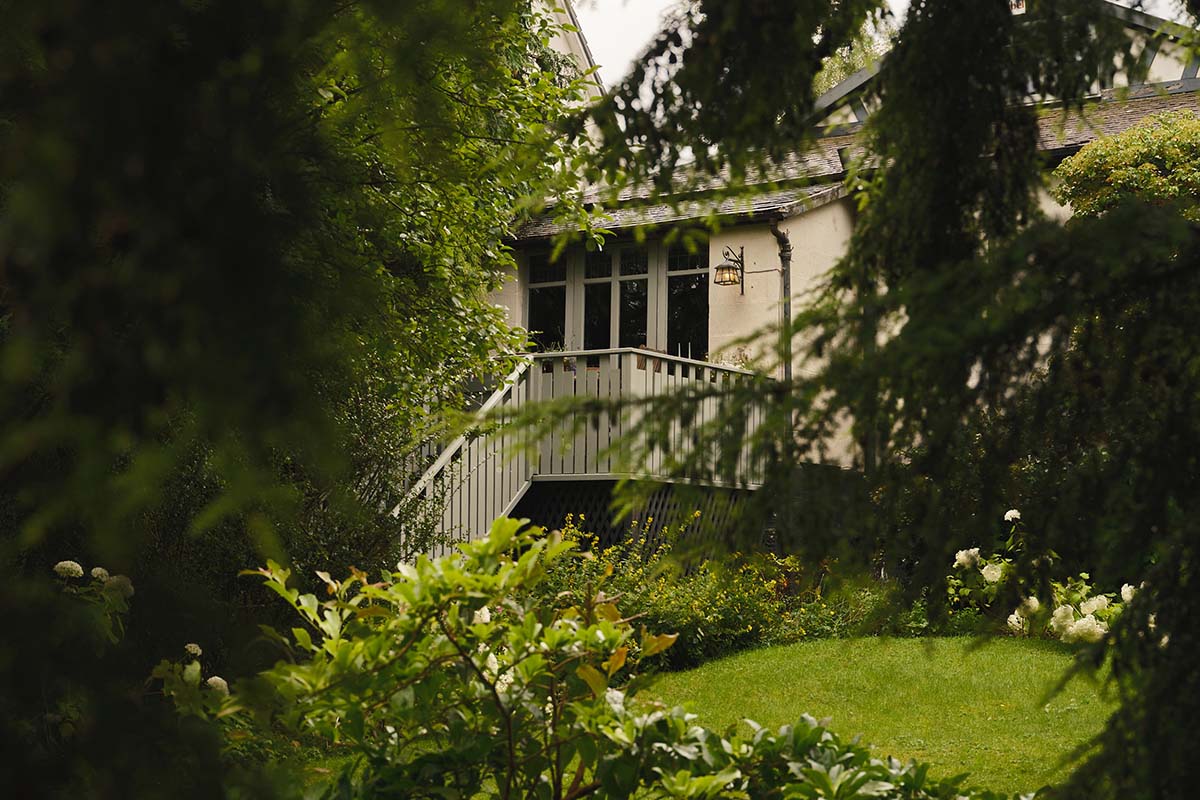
[
  {"x": 511, "y": 297},
  {"x": 1051, "y": 207},
  {"x": 742, "y": 327},
  {"x": 819, "y": 238},
  {"x": 1169, "y": 63}
]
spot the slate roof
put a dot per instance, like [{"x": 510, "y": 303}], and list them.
[{"x": 812, "y": 178}]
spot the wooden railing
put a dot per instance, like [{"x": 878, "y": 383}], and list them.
[{"x": 481, "y": 477}]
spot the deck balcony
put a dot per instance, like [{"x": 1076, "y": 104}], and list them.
[{"x": 481, "y": 476}]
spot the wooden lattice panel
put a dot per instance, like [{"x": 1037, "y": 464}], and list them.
[{"x": 548, "y": 503}]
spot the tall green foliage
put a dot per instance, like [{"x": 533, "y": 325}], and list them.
[
  {"x": 986, "y": 357},
  {"x": 244, "y": 253},
  {"x": 267, "y": 230}
]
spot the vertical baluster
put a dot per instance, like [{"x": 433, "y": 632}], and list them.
[{"x": 564, "y": 380}]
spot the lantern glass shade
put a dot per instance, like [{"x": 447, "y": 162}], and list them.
[{"x": 726, "y": 275}]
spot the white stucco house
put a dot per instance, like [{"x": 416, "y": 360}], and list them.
[{"x": 641, "y": 316}]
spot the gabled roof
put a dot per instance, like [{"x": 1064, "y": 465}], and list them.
[{"x": 813, "y": 178}]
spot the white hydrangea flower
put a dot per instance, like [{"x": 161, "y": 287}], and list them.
[
  {"x": 965, "y": 559},
  {"x": 218, "y": 685},
  {"x": 1093, "y": 604},
  {"x": 992, "y": 573},
  {"x": 1085, "y": 629},
  {"x": 193, "y": 650},
  {"x": 1061, "y": 619},
  {"x": 119, "y": 584},
  {"x": 100, "y": 573},
  {"x": 1029, "y": 606},
  {"x": 1127, "y": 593},
  {"x": 615, "y": 699},
  {"x": 482, "y": 617},
  {"x": 1016, "y": 622},
  {"x": 68, "y": 569},
  {"x": 1012, "y": 515}
]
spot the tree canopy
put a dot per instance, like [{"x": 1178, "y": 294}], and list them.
[
  {"x": 1157, "y": 161},
  {"x": 244, "y": 256}
]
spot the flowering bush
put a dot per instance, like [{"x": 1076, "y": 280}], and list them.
[
  {"x": 107, "y": 597},
  {"x": 1076, "y": 614},
  {"x": 449, "y": 678},
  {"x": 182, "y": 682}
]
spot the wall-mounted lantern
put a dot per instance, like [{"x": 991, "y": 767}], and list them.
[{"x": 731, "y": 271}]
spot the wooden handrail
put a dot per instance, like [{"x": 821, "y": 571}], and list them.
[
  {"x": 638, "y": 351},
  {"x": 455, "y": 446}
]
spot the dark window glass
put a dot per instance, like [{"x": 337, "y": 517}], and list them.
[
  {"x": 687, "y": 316},
  {"x": 634, "y": 261},
  {"x": 542, "y": 271},
  {"x": 548, "y": 317},
  {"x": 598, "y": 265},
  {"x": 597, "y": 316},
  {"x": 678, "y": 258},
  {"x": 634, "y": 302}
]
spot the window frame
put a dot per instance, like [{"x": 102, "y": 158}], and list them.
[
  {"x": 657, "y": 277},
  {"x": 565, "y": 283}
]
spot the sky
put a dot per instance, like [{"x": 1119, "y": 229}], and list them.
[{"x": 618, "y": 30}]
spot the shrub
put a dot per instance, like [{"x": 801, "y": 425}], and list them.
[
  {"x": 715, "y": 607},
  {"x": 1075, "y": 613}
]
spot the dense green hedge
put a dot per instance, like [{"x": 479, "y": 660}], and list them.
[{"x": 722, "y": 606}]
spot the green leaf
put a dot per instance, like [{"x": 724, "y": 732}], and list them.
[{"x": 594, "y": 678}]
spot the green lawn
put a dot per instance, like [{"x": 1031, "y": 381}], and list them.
[{"x": 962, "y": 706}]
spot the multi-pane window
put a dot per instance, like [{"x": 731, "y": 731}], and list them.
[
  {"x": 547, "y": 302},
  {"x": 597, "y": 316},
  {"x": 616, "y": 307},
  {"x": 635, "y": 309},
  {"x": 597, "y": 264},
  {"x": 635, "y": 260},
  {"x": 687, "y": 301},
  {"x": 627, "y": 295}
]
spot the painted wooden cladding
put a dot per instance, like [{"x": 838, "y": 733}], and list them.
[{"x": 481, "y": 477}]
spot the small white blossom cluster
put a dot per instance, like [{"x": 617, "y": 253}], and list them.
[
  {"x": 992, "y": 573},
  {"x": 1012, "y": 515},
  {"x": 491, "y": 668},
  {"x": 1127, "y": 593},
  {"x": 193, "y": 650},
  {"x": 68, "y": 569},
  {"x": 1090, "y": 606},
  {"x": 1086, "y": 628},
  {"x": 119, "y": 584},
  {"x": 1018, "y": 621},
  {"x": 218, "y": 685},
  {"x": 966, "y": 559}
]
